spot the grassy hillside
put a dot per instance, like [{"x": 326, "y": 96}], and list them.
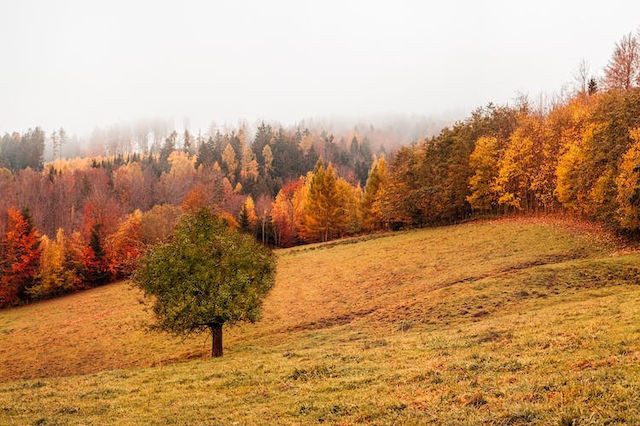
[{"x": 505, "y": 322}]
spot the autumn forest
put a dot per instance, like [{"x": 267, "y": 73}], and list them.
[{"x": 74, "y": 223}]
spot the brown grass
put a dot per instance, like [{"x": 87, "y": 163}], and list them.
[
  {"x": 382, "y": 280},
  {"x": 508, "y": 322},
  {"x": 94, "y": 330}
]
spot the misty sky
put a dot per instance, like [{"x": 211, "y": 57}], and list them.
[{"x": 79, "y": 64}]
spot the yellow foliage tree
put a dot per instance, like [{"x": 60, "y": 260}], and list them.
[
  {"x": 249, "y": 165},
  {"x": 483, "y": 161},
  {"x": 282, "y": 218},
  {"x": 229, "y": 159},
  {"x": 568, "y": 127},
  {"x": 325, "y": 212},
  {"x": 299, "y": 203},
  {"x": 54, "y": 278},
  {"x": 267, "y": 155},
  {"x": 627, "y": 182},
  {"x": 181, "y": 164},
  {"x": 518, "y": 177},
  {"x": 374, "y": 191},
  {"x": 602, "y": 197},
  {"x": 285, "y": 210},
  {"x": 350, "y": 199},
  {"x": 248, "y": 218},
  {"x": 572, "y": 185}
]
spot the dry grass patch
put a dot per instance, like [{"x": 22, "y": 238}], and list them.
[{"x": 497, "y": 322}]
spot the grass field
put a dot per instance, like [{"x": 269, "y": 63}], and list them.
[{"x": 505, "y": 322}]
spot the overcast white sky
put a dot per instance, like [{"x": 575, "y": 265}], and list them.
[{"x": 84, "y": 63}]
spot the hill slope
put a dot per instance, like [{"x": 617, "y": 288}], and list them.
[{"x": 506, "y": 322}]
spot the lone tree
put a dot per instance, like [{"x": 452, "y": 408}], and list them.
[{"x": 206, "y": 276}]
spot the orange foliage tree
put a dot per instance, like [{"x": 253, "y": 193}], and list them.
[
  {"x": 124, "y": 246},
  {"x": 20, "y": 257},
  {"x": 195, "y": 200},
  {"x": 282, "y": 215}
]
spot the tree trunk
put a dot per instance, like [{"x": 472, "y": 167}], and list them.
[{"x": 216, "y": 340}]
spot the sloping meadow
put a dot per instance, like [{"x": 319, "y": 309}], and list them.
[{"x": 506, "y": 322}]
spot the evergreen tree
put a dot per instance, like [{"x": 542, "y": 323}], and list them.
[
  {"x": 95, "y": 258},
  {"x": 62, "y": 140},
  {"x": 167, "y": 148},
  {"x": 243, "y": 219},
  {"x": 206, "y": 154},
  {"x": 187, "y": 143},
  {"x": 592, "y": 87}
]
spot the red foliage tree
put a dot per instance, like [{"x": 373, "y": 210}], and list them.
[
  {"x": 20, "y": 257},
  {"x": 103, "y": 212},
  {"x": 124, "y": 246}
]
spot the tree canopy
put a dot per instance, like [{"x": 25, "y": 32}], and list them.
[{"x": 206, "y": 276}]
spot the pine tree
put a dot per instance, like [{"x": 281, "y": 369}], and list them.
[
  {"x": 167, "y": 148},
  {"x": 95, "y": 264},
  {"x": 243, "y": 219},
  {"x": 54, "y": 144},
  {"x": 206, "y": 154},
  {"x": 187, "y": 143},
  {"x": 62, "y": 140},
  {"x": 592, "y": 87}
]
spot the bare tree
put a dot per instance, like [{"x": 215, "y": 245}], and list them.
[
  {"x": 62, "y": 140},
  {"x": 54, "y": 144},
  {"x": 638, "y": 61},
  {"x": 623, "y": 70},
  {"x": 582, "y": 76}
]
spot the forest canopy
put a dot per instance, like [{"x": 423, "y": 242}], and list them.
[{"x": 74, "y": 223}]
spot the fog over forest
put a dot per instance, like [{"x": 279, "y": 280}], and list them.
[
  {"x": 395, "y": 212},
  {"x": 109, "y": 71}
]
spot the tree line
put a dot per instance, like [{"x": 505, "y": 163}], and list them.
[
  {"x": 72, "y": 224},
  {"x": 83, "y": 222}
]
